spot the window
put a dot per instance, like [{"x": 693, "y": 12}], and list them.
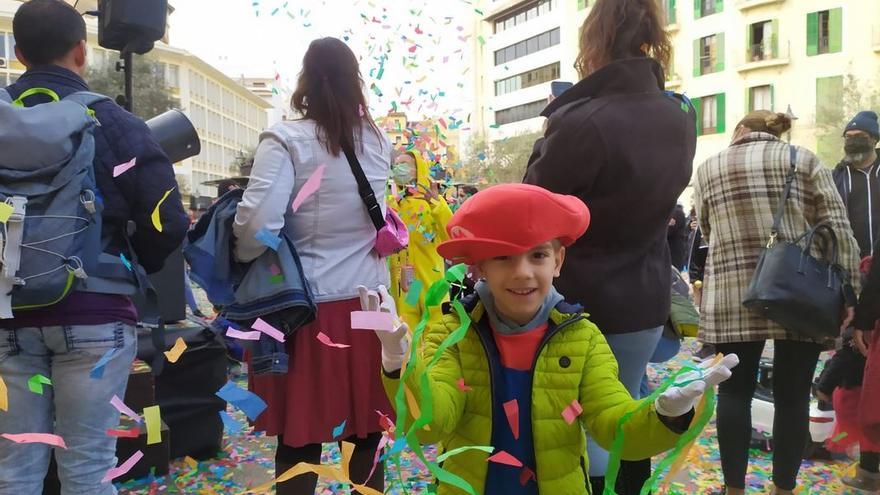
[
  {"x": 825, "y": 32},
  {"x": 709, "y": 54},
  {"x": 763, "y": 41},
  {"x": 11, "y": 45},
  {"x": 702, "y": 8},
  {"x": 2, "y": 45},
  {"x": 520, "y": 112},
  {"x": 669, "y": 9},
  {"x": 761, "y": 98},
  {"x": 527, "y": 47},
  {"x": 525, "y": 14},
  {"x": 582, "y": 4},
  {"x": 711, "y": 114},
  {"x": 172, "y": 76},
  {"x": 527, "y": 79}
]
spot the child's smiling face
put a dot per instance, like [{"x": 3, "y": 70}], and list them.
[{"x": 520, "y": 283}]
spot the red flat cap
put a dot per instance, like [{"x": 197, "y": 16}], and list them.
[{"x": 512, "y": 219}]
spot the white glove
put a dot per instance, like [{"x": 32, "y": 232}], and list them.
[
  {"x": 678, "y": 401},
  {"x": 395, "y": 344}
]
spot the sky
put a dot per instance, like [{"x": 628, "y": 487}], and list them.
[{"x": 415, "y": 54}]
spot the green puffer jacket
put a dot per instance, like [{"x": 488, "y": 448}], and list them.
[{"x": 574, "y": 363}]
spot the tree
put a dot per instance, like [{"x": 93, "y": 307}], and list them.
[
  {"x": 150, "y": 93},
  {"x": 498, "y": 162},
  {"x": 832, "y": 116},
  {"x": 243, "y": 161}
]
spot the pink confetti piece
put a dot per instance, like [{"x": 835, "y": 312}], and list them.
[
  {"x": 125, "y": 467},
  {"x": 572, "y": 412},
  {"x": 462, "y": 386},
  {"x": 238, "y": 334},
  {"x": 124, "y": 167},
  {"x": 361, "y": 110},
  {"x": 511, "y": 410},
  {"x": 324, "y": 339},
  {"x": 121, "y": 407},
  {"x": 268, "y": 329},
  {"x": 525, "y": 475},
  {"x": 503, "y": 457},
  {"x": 46, "y": 438},
  {"x": 275, "y": 270},
  {"x": 309, "y": 188},
  {"x": 373, "y": 320}
]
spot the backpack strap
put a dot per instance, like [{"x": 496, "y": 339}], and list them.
[{"x": 5, "y": 97}]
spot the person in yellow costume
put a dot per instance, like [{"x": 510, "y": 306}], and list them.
[{"x": 425, "y": 213}]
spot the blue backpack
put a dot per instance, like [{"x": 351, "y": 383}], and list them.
[{"x": 50, "y": 206}]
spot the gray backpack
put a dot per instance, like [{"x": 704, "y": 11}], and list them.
[{"x": 50, "y": 206}]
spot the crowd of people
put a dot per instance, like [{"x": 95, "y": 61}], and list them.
[{"x": 567, "y": 300}]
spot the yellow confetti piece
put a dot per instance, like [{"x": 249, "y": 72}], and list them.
[
  {"x": 192, "y": 463},
  {"x": 174, "y": 354},
  {"x": 157, "y": 221},
  {"x": 4, "y": 400},
  {"x": 5, "y": 212},
  {"x": 153, "y": 418}
]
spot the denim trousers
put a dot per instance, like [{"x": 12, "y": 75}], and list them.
[
  {"x": 75, "y": 407},
  {"x": 632, "y": 351}
]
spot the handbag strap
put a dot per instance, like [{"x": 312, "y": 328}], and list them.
[
  {"x": 780, "y": 210},
  {"x": 365, "y": 189}
]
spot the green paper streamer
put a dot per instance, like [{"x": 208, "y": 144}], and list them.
[
  {"x": 456, "y": 273},
  {"x": 36, "y": 382},
  {"x": 446, "y": 455},
  {"x": 415, "y": 292}
]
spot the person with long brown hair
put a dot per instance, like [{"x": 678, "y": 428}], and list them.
[
  {"x": 329, "y": 393},
  {"x": 620, "y": 143},
  {"x": 736, "y": 193}
]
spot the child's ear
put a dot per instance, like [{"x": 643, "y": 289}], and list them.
[{"x": 560, "y": 258}]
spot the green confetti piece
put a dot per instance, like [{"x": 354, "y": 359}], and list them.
[
  {"x": 478, "y": 11},
  {"x": 36, "y": 382},
  {"x": 456, "y": 273},
  {"x": 446, "y": 455},
  {"x": 436, "y": 293},
  {"x": 276, "y": 279},
  {"x": 415, "y": 292},
  {"x": 840, "y": 437},
  {"x": 481, "y": 40}
]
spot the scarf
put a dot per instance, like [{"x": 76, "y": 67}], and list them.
[{"x": 505, "y": 326}]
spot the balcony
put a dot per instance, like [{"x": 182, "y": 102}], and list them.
[
  {"x": 751, "y": 4},
  {"x": 765, "y": 55}
]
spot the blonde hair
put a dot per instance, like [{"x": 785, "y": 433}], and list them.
[{"x": 766, "y": 121}]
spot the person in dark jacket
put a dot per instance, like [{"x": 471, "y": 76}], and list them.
[
  {"x": 621, "y": 144},
  {"x": 65, "y": 341},
  {"x": 857, "y": 178},
  {"x": 677, "y": 236}
]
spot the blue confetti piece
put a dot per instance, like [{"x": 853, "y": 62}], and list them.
[
  {"x": 125, "y": 261},
  {"x": 231, "y": 426},
  {"x": 250, "y": 404},
  {"x": 98, "y": 369},
  {"x": 337, "y": 432},
  {"x": 268, "y": 239}
]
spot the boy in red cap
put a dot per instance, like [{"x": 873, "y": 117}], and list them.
[{"x": 532, "y": 372}]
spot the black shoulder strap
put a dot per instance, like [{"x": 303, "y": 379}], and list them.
[
  {"x": 365, "y": 189},
  {"x": 789, "y": 182}
]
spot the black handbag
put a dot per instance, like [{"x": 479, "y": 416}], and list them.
[{"x": 802, "y": 293}]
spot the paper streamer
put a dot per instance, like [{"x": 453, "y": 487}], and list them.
[
  {"x": 174, "y": 354},
  {"x": 238, "y": 334},
  {"x": 121, "y": 407},
  {"x": 339, "y": 474},
  {"x": 124, "y": 433},
  {"x": 571, "y": 412},
  {"x": 309, "y": 188},
  {"x": 268, "y": 239},
  {"x": 157, "y": 220},
  {"x": 46, "y": 438},
  {"x": 373, "y": 320},
  {"x": 124, "y": 167},
  {"x": 324, "y": 339},
  {"x": 415, "y": 292},
  {"x": 4, "y": 396},
  {"x": 153, "y": 418},
  {"x": 454, "y": 452},
  {"x": 456, "y": 273},
  {"x": 36, "y": 382},
  {"x": 502, "y": 457},
  {"x": 249, "y": 403},
  {"x": 125, "y": 467},
  {"x": 262, "y": 326}
]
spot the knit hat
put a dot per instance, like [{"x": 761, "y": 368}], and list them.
[
  {"x": 865, "y": 121},
  {"x": 511, "y": 219}
]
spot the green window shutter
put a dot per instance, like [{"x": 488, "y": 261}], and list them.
[
  {"x": 749, "y": 41},
  {"x": 835, "y": 31},
  {"x": 748, "y": 101},
  {"x": 774, "y": 38},
  {"x": 697, "y": 9},
  {"x": 697, "y": 70},
  {"x": 719, "y": 52},
  {"x": 772, "y": 98},
  {"x": 813, "y": 34},
  {"x": 719, "y": 6},
  {"x": 698, "y": 107},
  {"x": 672, "y": 12},
  {"x": 721, "y": 113}
]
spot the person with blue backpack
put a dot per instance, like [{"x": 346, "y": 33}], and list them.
[{"x": 75, "y": 244}]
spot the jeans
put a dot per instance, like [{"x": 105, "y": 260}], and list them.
[
  {"x": 75, "y": 407},
  {"x": 632, "y": 351},
  {"x": 667, "y": 348},
  {"x": 794, "y": 364}
]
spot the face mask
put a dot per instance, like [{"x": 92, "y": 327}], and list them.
[
  {"x": 402, "y": 173},
  {"x": 858, "y": 144}
]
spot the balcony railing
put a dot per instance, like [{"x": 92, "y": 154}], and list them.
[{"x": 761, "y": 55}]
